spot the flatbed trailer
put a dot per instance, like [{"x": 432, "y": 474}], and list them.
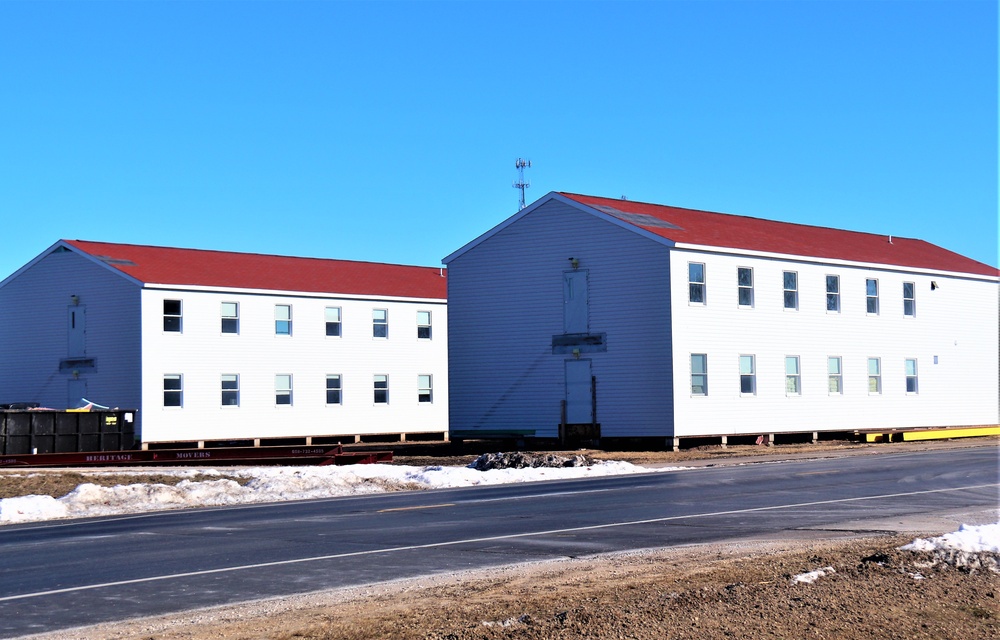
[{"x": 288, "y": 455}]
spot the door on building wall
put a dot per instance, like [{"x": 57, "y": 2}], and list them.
[
  {"x": 76, "y": 391},
  {"x": 576, "y": 313},
  {"x": 76, "y": 325},
  {"x": 579, "y": 392}
]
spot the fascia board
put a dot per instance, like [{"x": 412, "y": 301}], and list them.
[
  {"x": 289, "y": 294},
  {"x": 880, "y": 266},
  {"x": 83, "y": 254}
]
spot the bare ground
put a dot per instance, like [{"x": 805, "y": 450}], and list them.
[{"x": 739, "y": 590}]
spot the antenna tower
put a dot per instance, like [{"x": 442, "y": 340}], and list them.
[{"x": 521, "y": 184}]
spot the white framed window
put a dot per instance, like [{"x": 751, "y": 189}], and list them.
[
  {"x": 230, "y": 317},
  {"x": 699, "y": 374},
  {"x": 833, "y": 294},
  {"x": 230, "y": 390},
  {"x": 333, "y": 389},
  {"x": 424, "y": 325},
  {"x": 835, "y": 375},
  {"x": 424, "y": 388},
  {"x": 748, "y": 375},
  {"x": 793, "y": 376},
  {"x": 909, "y": 299},
  {"x": 381, "y": 389},
  {"x": 283, "y": 389},
  {"x": 871, "y": 296},
  {"x": 333, "y": 326},
  {"x": 173, "y": 390},
  {"x": 172, "y": 316},
  {"x": 380, "y": 323},
  {"x": 874, "y": 376},
  {"x": 911, "y": 375},
  {"x": 282, "y": 319},
  {"x": 744, "y": 284},
  {"x": 790, "y": 284},
  {"x": 696, "y": 283}
]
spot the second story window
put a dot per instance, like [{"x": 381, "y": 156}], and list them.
[
  {"x": 909, "y": 300},
  {"x": 791, "y": 289},
  {"x": 871, "y": 296},
  {"x": 230, "y": 317},
  {"x": 744, "y": 282},
  {"x": 333, "y": 321},
  {"x": 833, "y": 293},
  {"x": 424, "y": 325},
  {"x": 172, "y": 315},
  {"x": 696, "y": 283},
  {"x": 380, "y": 323},
  {"x": 282, "y": 319}
]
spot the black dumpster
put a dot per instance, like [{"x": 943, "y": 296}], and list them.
[{"x": 44, "y": 431}]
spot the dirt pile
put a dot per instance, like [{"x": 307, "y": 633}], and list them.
[{"x": 527, "y": 460}]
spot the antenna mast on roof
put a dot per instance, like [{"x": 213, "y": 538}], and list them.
[{"x": 521, "y": 183}]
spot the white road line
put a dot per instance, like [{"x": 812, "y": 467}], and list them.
[{"x": 452, "y": 543}]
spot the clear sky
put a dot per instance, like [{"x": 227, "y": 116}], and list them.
[{"x": 388, "y": 132}]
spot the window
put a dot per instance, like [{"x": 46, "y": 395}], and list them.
[
  {"x": 172, "y": 315},
  {"x": 333, "y": 322},
  {"x": 909, "y": 301},
  {"x": 833, "y": 293},
  {"x": 696, "y": 282},
  {"x": 230, "y": 317},
  {"x": 911, "y": 375},
  {"x": 173, "y": 390},
  {"x": 283, "y": 389},
  {"x": 744, "y": 282},
  {"x": 699, "y": 374},
  {"x": 230, "y": 390},
  {"x": 874, "y": 375},
  {"x": 381, "y": 389},
  {"x": 424, "y": 325},
  {"x": 793, "y": 377},
  {"x": 380, "y": 323},
  {"x": 282, "y": 319},
  {"x": 791, "y": 285},
  {"x": 871, "y": 296},
  {"x": 333, "y": 389},
  {"x": 835, "y": 375},
  {"x": 748, "y": 375},
  {"x": 424, "y": 389}
]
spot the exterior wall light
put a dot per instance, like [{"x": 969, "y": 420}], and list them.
[
  {"x": 75, "y": 299},
  {"x": 574, "y": 262}
]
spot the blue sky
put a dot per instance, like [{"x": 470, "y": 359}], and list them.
[{"x": 388, "y": 131}]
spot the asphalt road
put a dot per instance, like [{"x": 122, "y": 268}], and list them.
[{"x": 73, "y": 573}]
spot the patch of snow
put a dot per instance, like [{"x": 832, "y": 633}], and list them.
[
  {"x": 970, "y": 548},
  {"x": 277, "y": 484},
  {"x": 812, "y": 576}
]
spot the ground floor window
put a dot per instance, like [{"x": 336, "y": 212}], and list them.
[
  {"x": 230, "y": 390},
  {"x": 173, "y": 390},
  {"x": 748, "y": 375},
  {"x": 699, "y": 374},
  {"x": 424, "y": 388},
  {"x": 911, "y": 375},
  {"x": 835, "y": 374},
  {"x": 333, "y": 388},
  {"x": 283, "y": 389},
  {"x": 381, "y": 389},
  {"x": 874, "y": 375}
]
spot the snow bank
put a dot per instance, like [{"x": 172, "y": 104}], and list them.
[
  {"x": 971, "y": 548},
  {"x": 277, "y": 484}
]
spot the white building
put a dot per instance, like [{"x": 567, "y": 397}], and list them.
[
  {"x": 643, "y": 320},
  {"x": 219, "y": 346}
]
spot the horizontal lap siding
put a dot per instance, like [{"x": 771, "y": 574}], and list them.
[
  {"x": 201, "y": 353},
  {"x": 34, "y": 333},
  {"x": 506, "y": 303},
  {"x": 957, "y": 322}
]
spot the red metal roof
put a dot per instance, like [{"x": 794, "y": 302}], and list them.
[
  {"x": 691, "y": 226},
  {"x": 167, "y": 265}
]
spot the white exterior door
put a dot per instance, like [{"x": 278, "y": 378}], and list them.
[
  {"x": 579, "y": 392},
  {"x": 575, "y": 309}
]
